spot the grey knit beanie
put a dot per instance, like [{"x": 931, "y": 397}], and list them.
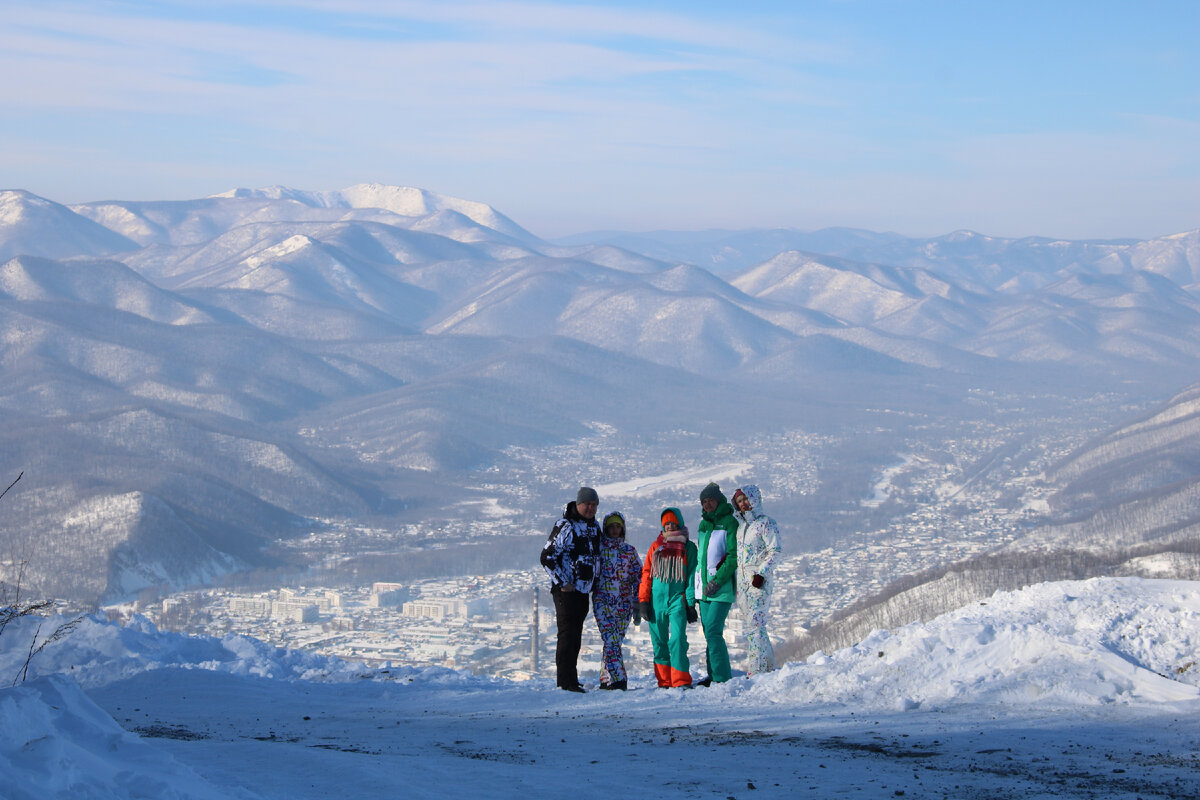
[
  {"x": 712, "y": 492},
  {"x": 587, "y": 495}
]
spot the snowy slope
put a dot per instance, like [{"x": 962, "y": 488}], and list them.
[
  {"x": 105, "y": 284},
  {"x": 1082, "y": 689},
  {"x": 34, "y": 226}
]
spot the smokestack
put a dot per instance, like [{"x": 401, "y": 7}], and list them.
[{"x": 533, "y": 653}]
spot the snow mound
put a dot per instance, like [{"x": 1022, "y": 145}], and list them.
[
  {"x": 56, "y": 743},
  {"x": 98, "y": 652},
  {"x": 1127, "y": 641},
  {"x": 1075, "y": 643}
]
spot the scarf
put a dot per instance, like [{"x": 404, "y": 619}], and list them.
[{"x": 670, "y": 559}]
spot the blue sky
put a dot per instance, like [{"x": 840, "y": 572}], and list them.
[{"x": 1069, "y": 119}]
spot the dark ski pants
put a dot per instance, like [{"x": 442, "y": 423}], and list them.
[{"x": 570, "y": 610}]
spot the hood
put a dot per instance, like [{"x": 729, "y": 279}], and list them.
[
  {"x": 603, "y": 520},
  {"x": 678, "y": 516},
  {"x": 755, "y": 497}
]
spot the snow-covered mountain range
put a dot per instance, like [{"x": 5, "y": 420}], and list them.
[{"x": 236, "y": 369}]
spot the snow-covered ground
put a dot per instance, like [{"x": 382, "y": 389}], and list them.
[
  {"x": 687, "y": 478},
  {"x": 1078, "y": 689}
]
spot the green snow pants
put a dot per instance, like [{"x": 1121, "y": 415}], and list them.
[
  {"x": 668, "y": 634},
  {"x": 712, "y": 617}
]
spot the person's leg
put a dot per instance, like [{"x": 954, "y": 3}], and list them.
[
  {"x": 660, "y": 635},
  {"x": 680, "y": 674},
  {"x": 712, "y": 617},
  {"x": 659, "y": 639},
  {"x": 760, "y": 653},
  {"x": 616, "y": 667},
  {"x": 570, "y": 610},
  {"x": 746, "y": 609},
  {"x": 605, "y": 612}
]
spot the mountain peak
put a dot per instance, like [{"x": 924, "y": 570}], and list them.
[
  {"x": 33, "y": 225},
  {"x": 16, "y": 205},
  {"x": 964, "y": 235},
  {"x": 407, "y": 201}
]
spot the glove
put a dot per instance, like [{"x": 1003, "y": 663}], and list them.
[
  {"x": 692, "y": 614},
  {"x": 757, "y": 581},
  {"x": 711, "y": 588},
  {"x": 647, "y": 610},
  {"x": 637, "y": 617}
]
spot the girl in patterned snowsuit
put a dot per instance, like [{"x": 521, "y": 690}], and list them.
[
  {"x": 667, "y": 599},
  {"x": 615, "y": 597},
  {"x": 757, "y": 552}
]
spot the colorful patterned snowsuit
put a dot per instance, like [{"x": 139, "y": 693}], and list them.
[
  {"x": 758, "y": 550},
  {"x": 669, "y": 602},
  {"x": 615, "y": 593}
]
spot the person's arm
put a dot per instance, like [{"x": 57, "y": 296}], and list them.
[
  {"x": 645, "y": 590},
  {"x": 646, "y": 587},
  {"x": 633, "y": 575},
  {"x": 689, "y": 594},
  {"x": 771, "y": 548},
  {"x": 556, "y": 556}
]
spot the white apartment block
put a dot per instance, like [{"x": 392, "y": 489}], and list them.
[
  {"x": 252, "y": 606},
  {"x": 435, "y": 608},
  {"x": 294, "y": 611}
]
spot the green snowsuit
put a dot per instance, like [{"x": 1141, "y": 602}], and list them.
[{"x": 716, "y": 563}]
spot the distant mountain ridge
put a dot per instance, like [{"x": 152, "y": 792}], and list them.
[
  {"x": 252, "y": 363},
  {"x": 964, "y": 256}
]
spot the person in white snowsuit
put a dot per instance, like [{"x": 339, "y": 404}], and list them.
[
  {"x": 615, "y": 597},
  {"x": 757, "y": 552}
]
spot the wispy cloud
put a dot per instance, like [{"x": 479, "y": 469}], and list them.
[{"x": 561, "y": 112}]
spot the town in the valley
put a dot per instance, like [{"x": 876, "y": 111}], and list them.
[{"x": 945, "y": 508}]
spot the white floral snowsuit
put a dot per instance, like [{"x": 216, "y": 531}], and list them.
[{"x": 757, "y": 551}]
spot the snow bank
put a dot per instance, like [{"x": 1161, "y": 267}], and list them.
[
  {"x": 1078, "y": 643},
  {"x": 57, "y": 743},
  {"x": 98, "y": 652},
  {"x": 1099, "y": 644}
]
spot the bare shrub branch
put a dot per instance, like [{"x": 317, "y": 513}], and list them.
[{"x": 15, "y": 607}]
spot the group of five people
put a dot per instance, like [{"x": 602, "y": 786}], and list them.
[{"x": 681, "y": 581}]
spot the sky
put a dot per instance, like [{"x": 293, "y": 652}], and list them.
[{"x": 1073, "y": 119}]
